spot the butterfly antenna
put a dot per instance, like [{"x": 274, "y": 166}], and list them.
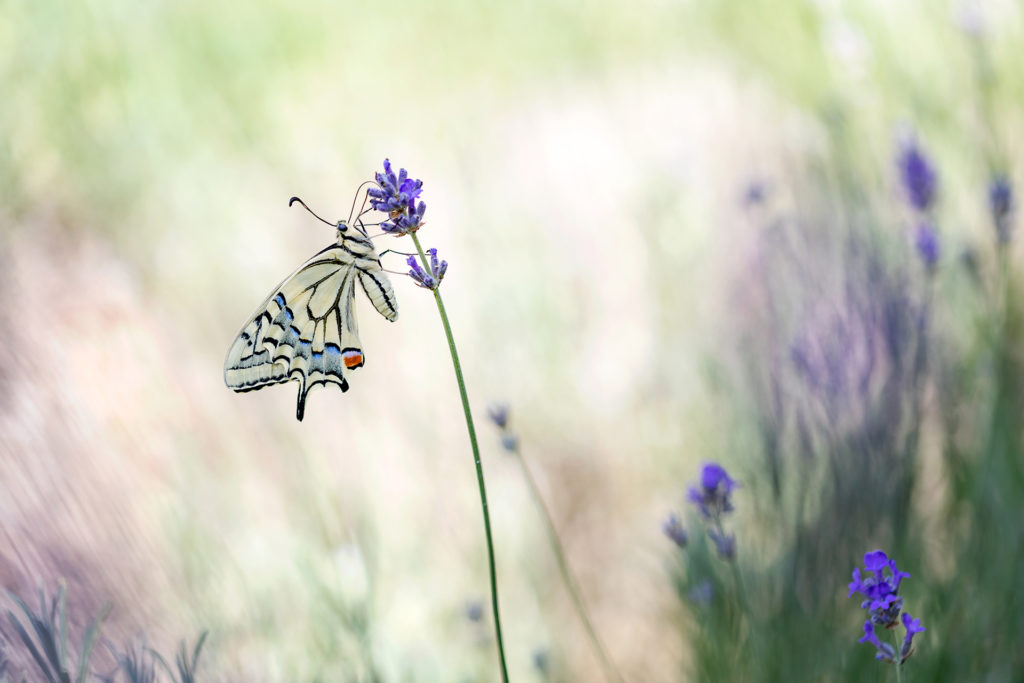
[
  {"x": 296, "y": 199},
  {"x": 352, "y": 211}
]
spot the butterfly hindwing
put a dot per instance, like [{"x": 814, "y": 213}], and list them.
[{"x": 307, "y": 330}]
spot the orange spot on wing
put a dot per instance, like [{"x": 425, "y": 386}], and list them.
[{"x": 353, "y": 359}]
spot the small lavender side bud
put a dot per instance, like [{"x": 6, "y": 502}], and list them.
[
  {"x": 673, "y": 528},
  {"x": 912, "y": 627},
  {"x": 1000, "y": 204},
  {"x": 886, "y": 652},
  {"x": 474, "y": 611},
  {"x": 498, "y": 413},
  {"x": 510, "y": 442},
  {"x": 418, "y": 275},
  {"x": 927, "y": 243},
  {"x": 725, "y": 544}
]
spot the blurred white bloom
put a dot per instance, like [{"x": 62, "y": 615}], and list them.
[
  {"x": 847, "y": 45},
  {"x": 351, "y": 569}
]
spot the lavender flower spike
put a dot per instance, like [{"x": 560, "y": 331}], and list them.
[
  {"x": 424, "y": 279},
  {"x": 716, "y": 486},
  {"x": 395, "y": 192},
  {"x": 1000, "y": 203},
  {"x": 917, "y": 176},
  {"x": 673, "y": 528},
  {"x": 396, "y": 196},
  {"x": 927, "y": 243}
]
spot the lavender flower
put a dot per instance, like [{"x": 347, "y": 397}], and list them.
[
  {"x": 426, "y": 280},
  {"x": 702, "y": 593},
  {"x": 510, "y": 442},
  {"x": 474, "y": 610},
  {"x": 1000, "y": 203},
  {"x": 673, "y": 528},
  {"x": 498, "y": 412},
  {"x": 917, "y": 176},
  {"x": 407, "y": 222},
  {"x": 886, "y": 652},
  {"x": 725, "y": 544},
  {"x": 883, "y": 603},
  {"x": 712, "y": 498},
  {"x": 912, "y": 626},
  {"x": 396, "y": 196},
  {"x": 395, "y": 192},
  {"x": 927, "y": 243}
]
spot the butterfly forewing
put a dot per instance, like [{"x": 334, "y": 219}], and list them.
[{"x": 306, "y": 330}]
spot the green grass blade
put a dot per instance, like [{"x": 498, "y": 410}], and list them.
[
  {"x": 62, "y": 613},
  {"x": 90, "y": 641},
  {"x": 195, "y": 652},
  {"x": 33, "y": 650}
]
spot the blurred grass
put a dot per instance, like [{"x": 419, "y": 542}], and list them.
[{"x": 585, "y": 165}]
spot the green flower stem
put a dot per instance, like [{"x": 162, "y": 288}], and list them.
[
  {"x": 899, "y": 667},
  {"x": 476, "y": 461},
  {"x": 563, "y": 566}
]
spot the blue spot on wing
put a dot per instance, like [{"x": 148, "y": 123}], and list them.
[{"x": 279, "y": 299}]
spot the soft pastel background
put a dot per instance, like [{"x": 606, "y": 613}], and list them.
[{"x": 663, "y": 221}]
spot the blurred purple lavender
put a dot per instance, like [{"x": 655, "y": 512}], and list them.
[
  {"x": 927, "y": 243},
  {"x": 673, "y": 528},
  {"x": 712, "y": 497},
  {"x": 1000, "y": 203},
  {"x": 917, "y": 175},
  {"x": 883, "y": 603}
]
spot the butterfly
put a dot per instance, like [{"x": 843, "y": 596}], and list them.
[{"x": 306, "y": 330}]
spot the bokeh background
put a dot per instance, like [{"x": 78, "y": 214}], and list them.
[{"x": 676, "y": 233}]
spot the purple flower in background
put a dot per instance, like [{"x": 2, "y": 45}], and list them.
[
  {"x": 673, "y": 528},
  {"x": 498, "y": 412},
  {"x": 426, "y": 280},
  {"x": 725, "y": 544},
  {"x": 927, "y": 243},
  {"x": 917, "y": 175},
  {"x": 1000, "y": 203},
  {"x": 880, "y": 585},
  {"x": 712, "y": 497}
]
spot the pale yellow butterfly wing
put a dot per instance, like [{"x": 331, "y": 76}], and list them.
[{"x": 306, "y": 330}]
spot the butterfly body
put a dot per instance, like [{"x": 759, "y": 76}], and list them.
[{"x": 306, "y": 330}]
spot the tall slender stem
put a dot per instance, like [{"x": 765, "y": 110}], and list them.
[
  {"x": 897, "y": 662},
  {"x": 476, "y": 461},
  {"x": 563, "y": 566}
]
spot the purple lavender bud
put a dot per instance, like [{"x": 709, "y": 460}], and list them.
[
  {"x": 1000, "y": 203},
  {"x": 912, "y": 626},
  {"x": 702, "y": 593},
  {"x": 712, "y": 498},
  {"x": 725, "y": 544},
  {"x": 510, "y": 442},
  {"x": 474, "y": 610},
  {"x": 917, "y": 176},
  {"x": 673, "y": 528},
  {"x": 420, "y": 276},
  {"x": 396, "y": 196},
  {"x": 498, "y": 412},
  {"x": 927, "y": 243},
  {"x": 886, "y": 652}
]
